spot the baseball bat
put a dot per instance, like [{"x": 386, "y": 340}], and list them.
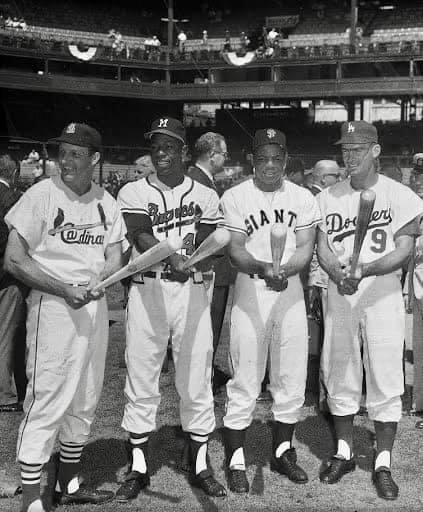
[
  {"x": 365, "y": 210},
  {"x": 213, "y": 243},
  {"x": 277, "y": 245},
  {"x": 147, "y": 259}
]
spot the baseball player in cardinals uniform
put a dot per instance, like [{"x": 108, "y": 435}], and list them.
[
  {"x": 168, "y": 301},
  {"x": 66, "y": 234},
  {"x": 367, "y": 307},
  {"x": 268, "y": 312}
]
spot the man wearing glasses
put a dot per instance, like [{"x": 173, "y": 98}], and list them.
[{"x": 211, "y": 154}]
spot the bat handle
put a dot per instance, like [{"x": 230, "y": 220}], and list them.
[{"x": 354, "y": 264}]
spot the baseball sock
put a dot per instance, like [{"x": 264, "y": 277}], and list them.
[
  {"x": 139, "y": 450},
  {"x": 31, "y": 477},
  {"x": 234, "y": 444},
  {"x": 282, "y": 437},
  {"x": 198, "y": 448},
  {"x": 385, "y": 437},
  {"x": 344, "y": 433},
  {"x": 69, "y": 466}
]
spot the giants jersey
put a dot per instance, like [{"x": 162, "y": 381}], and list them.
[
  {"x": 249, "y": 210},
  {"x": 395, "y": 206},
  {"x": 67, "y": 234},
  {"x": 172, "y": 210}
]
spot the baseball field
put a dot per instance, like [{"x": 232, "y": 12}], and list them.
[{"x": 104, "y": 457}]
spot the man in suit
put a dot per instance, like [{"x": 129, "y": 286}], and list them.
[
  {"x": 211, "y": 154},
  {"x": 12, "y": 305}
]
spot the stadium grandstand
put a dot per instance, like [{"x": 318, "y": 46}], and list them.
[{"x": 302, "y": 66}]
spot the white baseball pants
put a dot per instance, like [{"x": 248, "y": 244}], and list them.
[
  {"x": 375, "y": 318},
  {"x": 65, "y": 368},
  {"x": 156, "y": 310},
  {"x": 265, "y": 322}
]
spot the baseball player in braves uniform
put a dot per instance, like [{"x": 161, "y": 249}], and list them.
[
  {"x": 366, "y": 307},
  {"x": 268, "y": 312},
  {"x": 168, "y": 301},
  {"x": 66, "y": 234}
]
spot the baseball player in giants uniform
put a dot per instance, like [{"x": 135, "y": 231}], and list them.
[
  {"x": 367, "y": 307},
  {"x": 66, "y": 234},
  {"x": 167, "y": 301},
  {"x": 268, "y": 312}
]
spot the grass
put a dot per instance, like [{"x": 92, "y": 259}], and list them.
[{"x": 104, "y": 457}]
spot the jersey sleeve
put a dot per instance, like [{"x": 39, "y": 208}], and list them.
[
  {"x": 310, "y": 213},
  {"x": 405, "y": 206},
  {"x": 118, "y": 229},
  {"x": 28, "y": 215},
  {"x": 233, "y": 219},
  {"x": 211, "y": 213},
  {"x": 321, "y": 203},
  {"x": 131, "y": 200}
]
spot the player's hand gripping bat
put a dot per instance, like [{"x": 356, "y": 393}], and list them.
[
  {"x": 211, "y": 245},
  {"x": 147, "y": 259},
  {"x": 365, "y": 210}
]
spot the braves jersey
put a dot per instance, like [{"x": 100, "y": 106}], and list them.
[
  {"x": 395, "y": 206},
  {"x": 67, "y": 234},
  {"x": 251, "y": 211},
  {"x": 172, "y": 210}
]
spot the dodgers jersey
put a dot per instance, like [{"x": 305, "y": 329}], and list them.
[
  {"x": 172, "y": 210},
  {"x": 67, "y": 234},
  {"x": 251, "y": 211},
  {"x": 395, "y": 206}
]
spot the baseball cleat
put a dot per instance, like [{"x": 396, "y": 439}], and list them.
[
  {"x": 237, "y": 481},
  {"x": 336, "y": 469},
  {"x": 85, "y": 496},
  {"x": 208, "y": 484},
  {"x": 385, "y": 486},
  {"x": 287, "y": 465},
  {"x": 131, "y": 487}
]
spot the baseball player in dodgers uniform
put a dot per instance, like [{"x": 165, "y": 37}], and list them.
[
  {"x": 367, "y": 307},
  {"x": 268, "y": 312},
  {"x": 168, "y": 301},
  {"x": 66, "y": 234}
]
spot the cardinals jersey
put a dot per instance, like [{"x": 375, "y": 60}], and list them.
[
  {"x": 172, "y": 210},
  {"x": 251, "y": 211},
  {"x": 395, "y": 206},
  {"x": 67, "y": 234}
]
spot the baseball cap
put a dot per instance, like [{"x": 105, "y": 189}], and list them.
[
  {"x": 269, "y": 136},
  {"x": 418, "y": 162},
  {"x": 357, "y": 132},
  {"x": 81, "y": 135},
  {"x": 167, "y": 126}
]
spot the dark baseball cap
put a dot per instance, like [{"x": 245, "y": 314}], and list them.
[
  {"x": 357, "y": 132},
  {"x": 269, "y": 136},
  {"x": 167, "y": 126},
  {"x": 81, "y": 135}
]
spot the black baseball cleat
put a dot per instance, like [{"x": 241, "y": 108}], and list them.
[
  {"x": 85, "y": 496},
  {"x": 131, "y": 487},
  {"x": 385, "y": 486},
  {"x": 206, "y": 481},
  {"x": 336, "y": 469},
  {"x": 237, "y": 481},
  {"x": 287, "y": 465}
]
